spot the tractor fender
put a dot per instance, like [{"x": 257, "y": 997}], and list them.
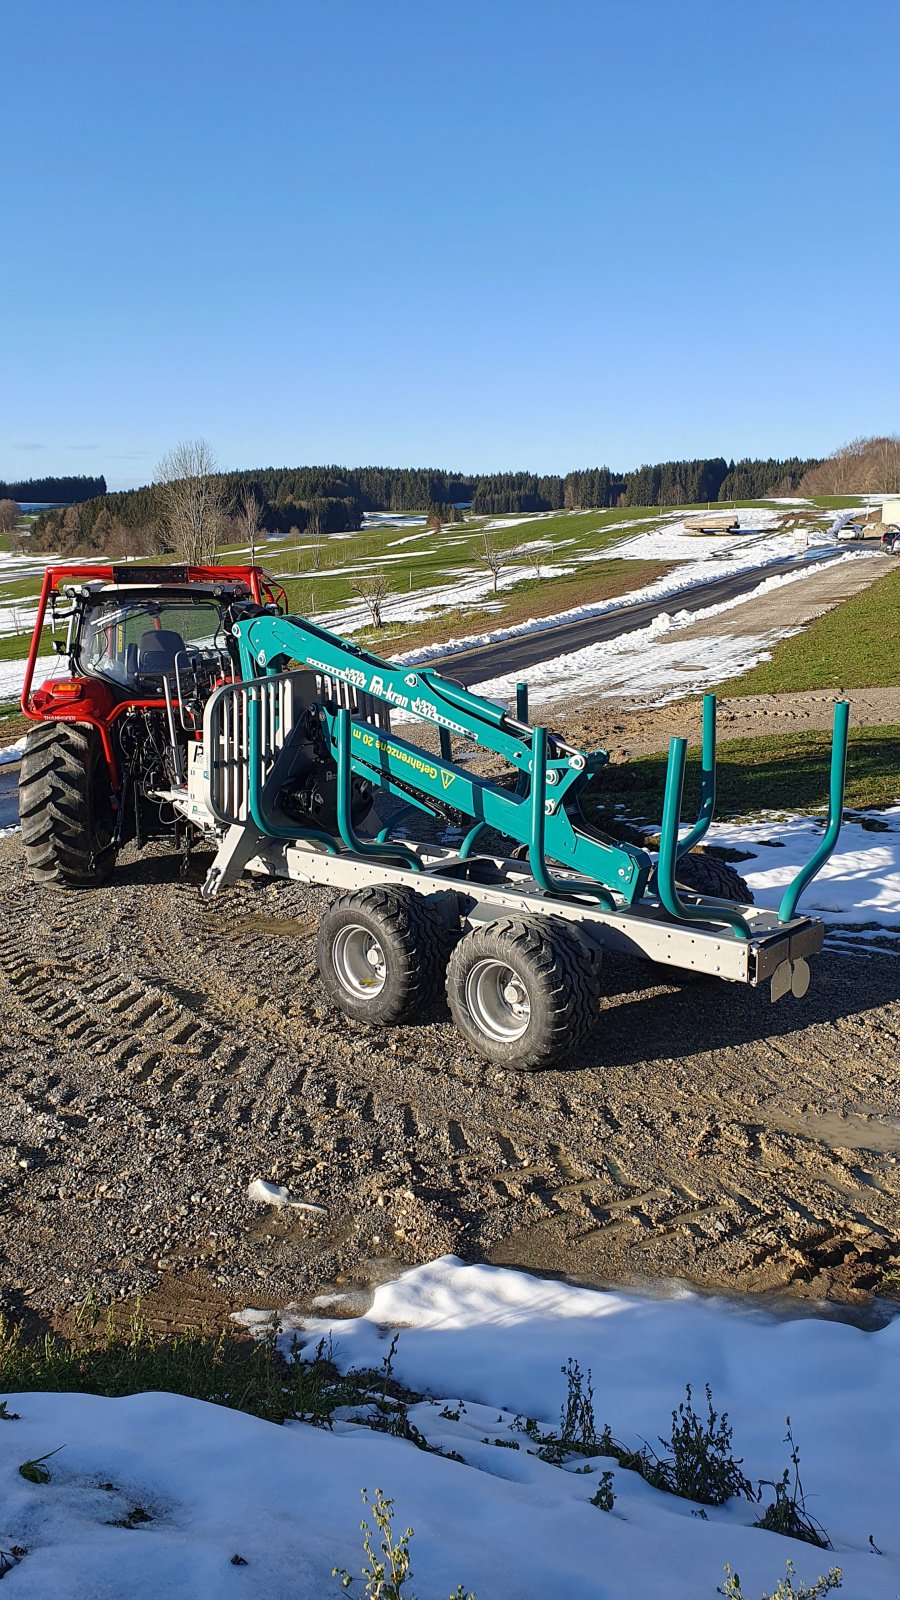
[{"x": 79, "y": 700}]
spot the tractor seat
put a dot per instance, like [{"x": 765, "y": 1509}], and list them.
[{"x": 157, "y": 650}]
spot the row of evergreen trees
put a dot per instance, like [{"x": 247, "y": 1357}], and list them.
[
  {"x": 669, "y": 483},
  {"x": 334, "y": 499},
  {"x": 65, "y": 490}
]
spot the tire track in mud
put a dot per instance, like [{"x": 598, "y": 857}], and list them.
[{"x": 186, "y": 1046}]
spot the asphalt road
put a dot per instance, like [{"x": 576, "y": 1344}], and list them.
[{"x": 521, "y": 651}]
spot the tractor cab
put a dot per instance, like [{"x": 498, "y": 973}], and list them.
[{"x": 138, "y": 640}]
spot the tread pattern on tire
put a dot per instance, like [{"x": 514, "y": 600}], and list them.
[
  {"x": 56, "y": 807},
  {"x": 424, "y": 942},
  {"x": 566, "y": 970},
  {"x": 708, "y": 874}
]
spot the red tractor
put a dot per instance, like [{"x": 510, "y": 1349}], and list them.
[{"x": 146, "y": 646}]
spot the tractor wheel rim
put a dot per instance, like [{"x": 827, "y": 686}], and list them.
[
  {"x": 359, "y": 962},
  {"x": 497, "y": 1000}
]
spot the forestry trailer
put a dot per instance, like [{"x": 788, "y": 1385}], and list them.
[{"x": 195, "y": 705}]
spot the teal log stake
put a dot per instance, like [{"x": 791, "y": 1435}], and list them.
[
  {"x": 273, "y": 830},
  {"x": 536, "y": 859},
  {"x": 707, "y": 779},
  {"x": 668, "y": 853},
  {"x": 361, "y": 847},
  {"x": 804, "y": 877},
  {"x": 391, "y": 823},
  {"x": 471, "y": 839}
]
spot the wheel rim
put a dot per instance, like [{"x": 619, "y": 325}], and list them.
[
  {"x": 359, "y": 962},
  {"x": 497, "y": 1000}
]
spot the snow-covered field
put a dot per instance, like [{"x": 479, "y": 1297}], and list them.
[
  {"x": 216, "y": 1484},
  {"x": 860, "y": 883},
  {"x": 663, "y": 538},
  {"x": 12, "y": 674}
]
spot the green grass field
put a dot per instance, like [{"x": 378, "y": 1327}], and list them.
[
  {"x": 855, "y": 646},
  {"x": 14, "y": 646}
]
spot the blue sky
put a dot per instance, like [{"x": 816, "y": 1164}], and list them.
[{"x": 488, "y": 235}]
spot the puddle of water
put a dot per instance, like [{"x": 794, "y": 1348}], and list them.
[
  {"x": 280, "y": 927},
  {"x": 848, "y": 1130}
]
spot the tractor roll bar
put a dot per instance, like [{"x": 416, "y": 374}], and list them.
[{"x": 258, "y": 581}]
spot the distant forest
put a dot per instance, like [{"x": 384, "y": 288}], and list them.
[
  {"x": 64, "y": 490},
  {"x": 323, "y": 500}
]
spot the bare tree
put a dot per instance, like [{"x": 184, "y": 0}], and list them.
[
  {"x": 864, "y": 466},
  {"x": 251, "y": 518},
  {"x": 540, "y": 548},
  {"x": 315, "y": 547},
  {"x": 494, "y": 558},
  {"x": 372, "y": 588},
  {"x": 9, "y": 515},
  {"x": 69, "y": 539},
  {"x": 192, "y": 495}
]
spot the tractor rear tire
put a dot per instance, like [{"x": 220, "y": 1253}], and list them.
[
  {"x": 65, "y": 806},
  {"x": 710, "y": 875},
  {"x": 524, "y": 990},
  {"x": 382, "y": 953}
]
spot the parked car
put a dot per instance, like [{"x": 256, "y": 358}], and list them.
[
  {"x": 851, "y": 530},
  {"x": 890, "y": 541}
]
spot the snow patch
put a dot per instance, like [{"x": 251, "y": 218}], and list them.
[
  {"x": 648, "y": 661},
  {"x": 860, "y": 883},
  {"x": 12, "y": 752},
  {"x": 275, "y": 1194},
  {"x": 217, "y": 1483}
]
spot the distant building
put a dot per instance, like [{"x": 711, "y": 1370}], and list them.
[
  {"x": 890, "y": 512},
  {"x": 712, "y": 522}
]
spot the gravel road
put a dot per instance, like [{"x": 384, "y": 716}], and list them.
[{"x": 159, "y": 1053}]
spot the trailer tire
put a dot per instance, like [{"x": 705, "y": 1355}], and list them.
[
  {"x": 382, "y": 953},
  {"x": 708, "y": 874},
  {"x": 65, "y": 807},
  {"x": 524, "y": 990}
]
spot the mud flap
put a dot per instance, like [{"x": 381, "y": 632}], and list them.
[{"x": 790, "y": 977}]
